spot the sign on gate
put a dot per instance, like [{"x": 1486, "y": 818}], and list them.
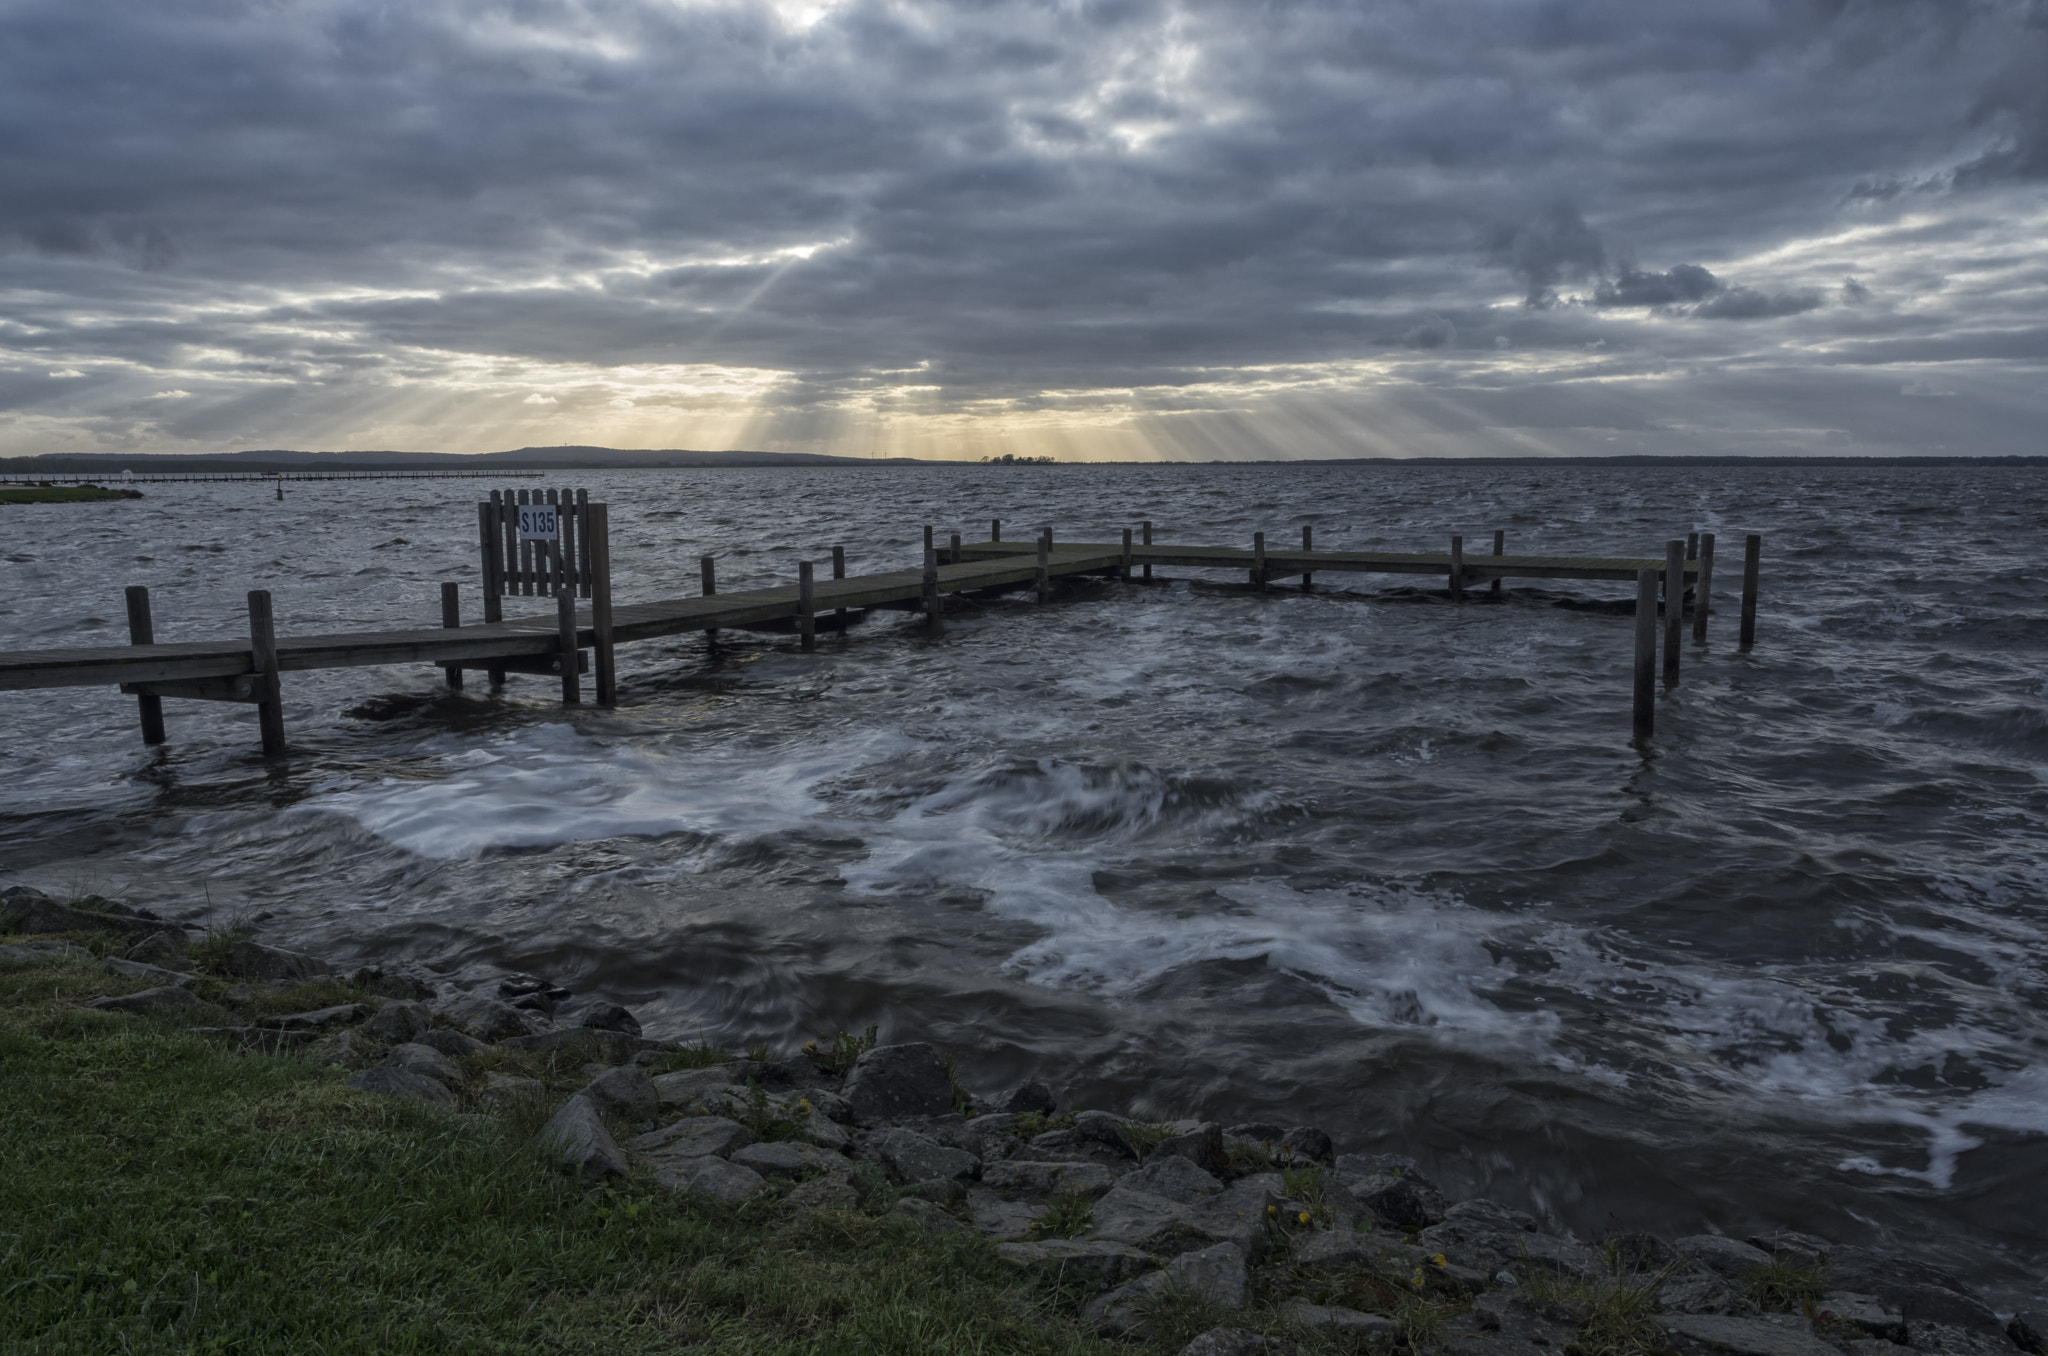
[{"x": 537, "y": 522}]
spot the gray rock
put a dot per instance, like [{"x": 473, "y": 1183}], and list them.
[
  {"x": 1744, "y": 1336},
  {"x": 1092, "y": 1263},
  {"x": 1723, "y": 1256},
  {"x": 893, "y": 1081},
  {"x": 1214, "y": 1275},
  {"x": 1950, "y": 1340},
  {"x": 487, "y": 1019},
  {"x": 931, "y": 1217},
  {"x": 625, "y": 1092},
  {"x": 833, "y": 1106},
  {"x": 694, "y": 1137},
  {"x": 164, "y": 949},
  {"x": 576, "y": 1139},
  {"x": 426, "y": 1061},
  {"x": 1337, "y": 1248},
  {"x": 394, "y": 1082},
  {"x": 1094, "y": 1138},
  {"x": 819, "y": 1129},
  {"x": 1635, "y": 1251},
  {"x": 1043, "y": 1179},
  {"x": 726, "y": 1182},
  {"x": 1001, "y": 1219},
  {"x": 320, "y": 1019},
  {"x": 132, "y": 969},
  {"x": 1484, "y": 1215},
  {"x": 1799, "y": 1249},
  {"x": 1258, "y": 1132},
  {"x": 38, "y": 953},
  {"x": 1310, "y": 1144},
  {"x": 27, "y": 910},
  {"x": 1025, "y": 1097},
  {"x": 255, "y": 961},
  {"x": 596, "y": 1014},
  {"x": 793, "y": 1161},
  {"x": 1237, "y": 1342},
  {"x": 2029, "y": 1330},
  {"x": 348, "y": 1048},
  {"x": 149, "y": 1000},
  {"x": 1693, "y": 1289},
  {"x": 253, "y": 1039},
  {"x": 400, "y": 1022},
  {"x": 454, "y": 1044},
  {"x": 398, "y": 984},
  {"x": 1470, "y": 1241},
  {"x": 1402, "y": 1200},
  {"x": 507, "y": 1092},
  {"x": 1507, "y": 1324},
  {"x": 913, "y": 1158},
  {"x": 583, "y": 1044},
  {"x": 823, "y": 1193},
  {"x": 1867, "y": 1314},
  {"x": 946, "y": 1191},
  {"x": 1175, "y": 1177},
  {"x": 1199, "y": 1142},
  {"x": 1142, "y": 1220},
  {"x": 1372, "y": 1328},
  {"x": 1923, "y": 1293},
  {"x": 1239, "y": 1213},
  {"x": 687, "y": 1088}
]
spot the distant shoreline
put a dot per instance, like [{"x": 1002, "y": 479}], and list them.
[{"x": 62, "y": 494}]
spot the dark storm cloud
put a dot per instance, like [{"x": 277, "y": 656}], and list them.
[{"x": 930, "y": 207}]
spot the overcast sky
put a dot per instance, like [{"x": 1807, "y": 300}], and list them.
[{"x": 1121, "y": 229}]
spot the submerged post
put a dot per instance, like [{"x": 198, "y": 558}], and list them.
[
  {"x": 1457, "y": 569},
  {"x": 1308, "y": 544},
  {"x": 451, "y": 618},
  {"x": 1045, "y": 565},
  {"x": 1703, "y": 591},
  {"x": 995, "y": 529},
  {"x": 142, "y": 631},
  {"x": 598, "y": 540},
  {"x": 565, "y": 631},
  {"x": 707, "y": 568},
  {"x": 1259, "y": 560},
  {"x": 954, "y": 559},
  {"x": 1674, "y": 604},
  {"x": 806, "y": 606},
  {"x": 839, "y": 572},
  {"x": 263, "y": 659},
  {"x": 1148, "y": 541},
  {"x": 1500, "y": 548},
  {"x": 1752, "y": 562},
  {"x": 1646, "y": 654},
  {"x": 1124, "y": 567},
  {"x": 933, "y": 621}
]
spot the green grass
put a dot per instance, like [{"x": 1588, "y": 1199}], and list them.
[
  {"x": 62, "y": 494},
  {"x": 838, "y": 1054},
  {"x": 1784, "y": 1286},
  {"x": 1067, "y": 1214},
  {"x": 1142, "y": 1137},
  {"x": 161, "y": 1194}
]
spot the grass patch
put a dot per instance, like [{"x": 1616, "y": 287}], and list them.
[
  {"x": 700, "y": 1055},
  {"x": 1031, "y": 1124},
  {"x": 1783, "y": 1286},
  {"x": 1315, "y": 1189},
  {"x": 838, "y": 1054},
  {"x": 1142, "y": 1137},
  {"x": 62, "y": 494},
  {"x": 1067, "y": 1214},
  {"x": 1616, "y": 1314},
  {"x": 159, "y": 1193}
]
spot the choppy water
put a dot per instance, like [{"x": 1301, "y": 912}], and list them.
[{"x": 1357, "y": 858}]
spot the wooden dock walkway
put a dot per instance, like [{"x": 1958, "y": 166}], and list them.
[{"x": 247, "y": 669}]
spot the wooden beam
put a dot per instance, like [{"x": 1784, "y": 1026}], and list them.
[{"x": 142, "y": 631}]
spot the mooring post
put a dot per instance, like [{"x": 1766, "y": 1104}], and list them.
[
  {"x": 806, "y": 606},
  {"x": 995, "y": 529},
  {"x": 1646, "y": 654},
  {"x": 597, "y": 537},
  {"x": 1703, "y": 591},
  {"x": 1308, "y": 544},
  {"x": 263, "y": 660},
  {"x": 1124, "y": 568},
  {"x": 1674, "y": 604},
  {"x": 493, "y": 560},
  {"x": 565, "y": 638},
  {"x": 1045, "y": 565},
  {"x": 927, "y": 540},
  {"x": 142, "y": 631},
  {"x": 1500, "y": 548},
  {"x": 1692, "y": 554},
  {"x": 955, "y": 558},
  {"x": 1457, "y": 569},
  {"x": 839, "y": 572},
  {"x": 1752, "y": 562},
  {"x": 451, "y": 618},
  {"x": 933, "y": 622},
  {"x": 1258, "y": 560},
  {"x": 708, "y": 569},
  {"x": 1147, "y": 525},
  {"x": 280, "y": 487}
]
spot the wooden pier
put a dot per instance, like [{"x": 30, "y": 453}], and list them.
[{"x": 575, "y": 565}]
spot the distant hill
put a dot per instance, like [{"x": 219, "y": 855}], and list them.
[{"x": 536, "y": 458}]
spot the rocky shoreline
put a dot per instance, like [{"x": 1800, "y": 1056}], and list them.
[{"x": 1262, "y": 1228}]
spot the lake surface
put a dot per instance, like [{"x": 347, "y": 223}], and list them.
[{"x": 1358, "y": 858}]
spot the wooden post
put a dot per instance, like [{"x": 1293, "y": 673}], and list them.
[
  {"x": 806, "y": 606},
  {"x": 565, "y": 631},
  {"x": 1692, "y": 553},
  {"x": 1674, "y": 604},
  {"x": 263, "y": 659},
  {"x": 839, "y": 572},
  {"x": 1259, "y": 560},
  {"x": 597, "y": 547},
  {"x": 142, "y": 631},
  {"x": 451, "y": 617},
  {"x": 1045, "y": 565},
  {"x": 1646, "y": 654},
  {"x": 1457, "y": 569},
  {"x": 955, "y": 560},
  {"x": 494, "y": 567},
  {"x": 1500, "y": 548},
  {"x": 280, "y": 487},
  {"x": 1752, "y": 563},
  {"x": 709, "y": 570},
  {"x": 928, "y": 541},
  {"x": 1308, "y": 544},
  {"x": 933, "y": 622},
  {"x": 1703, "y": 591},
  {"x": 1124, "y": 566},
  {"x": 995, "y": 529},
  {"x": 1147, "y": 525}
]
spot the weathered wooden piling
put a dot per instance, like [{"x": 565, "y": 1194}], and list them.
[
  {"x": 451, "y": 619},
  {"x": 1500, "y": 548},
  {"x": 142, "y": 631},
  {"x": 1674, "y": 604},
  {"x": 1123, "y": 570},
  {"x": 1258, "y": 560},
  {"x": 565, "y": 630},
  {"x": 1308, "y": 544},
  {"x": 953, "y": 556},
  {"x": 1703, "y": 590},
  {"x": 995, "y": 529},
  {"x": 1457, "y": 569},
  {"x": 839, "y": 572},
  {"x": 1752, "y": 566},
  {"x": 927, "y": 539},
  {"x": 265, "y": 688},
  {"x": 1646, "y": 654},
  {"x": 934, "y": 621},
  {"x": 1045, "y": 565},
  {"x": 1692, "y": 553},
  {"x": 806, "y": 606},
  {"x": 597, "y": 543},
  {"x": 1147, "y": 525},
  {"x": 707, "y": 571}
]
